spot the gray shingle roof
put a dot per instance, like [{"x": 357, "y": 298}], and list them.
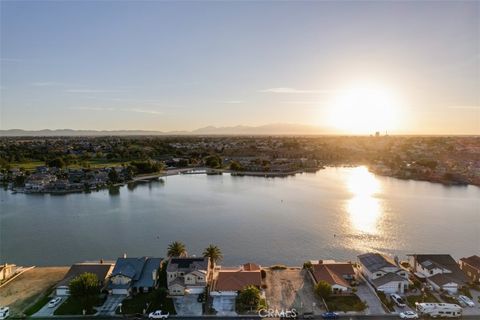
[
  {"x": 389, "y": 277},
  {"x": 146, "y": 280},
  {"x": 374, "y": 261},
  {"x": 187, "y": 264},
  {"x": 138, "y": 269}
]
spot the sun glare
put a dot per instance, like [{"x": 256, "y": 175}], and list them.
[{"x": 364, "y": 110}]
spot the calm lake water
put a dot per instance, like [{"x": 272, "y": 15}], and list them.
[{"x": 335, "y": 213}]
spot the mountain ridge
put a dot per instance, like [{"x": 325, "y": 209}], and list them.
[{"x": 267, "y": 129}]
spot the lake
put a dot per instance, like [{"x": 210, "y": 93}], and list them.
[{"x": 336, "y": 213}]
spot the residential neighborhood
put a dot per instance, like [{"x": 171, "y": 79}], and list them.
[{"x": 188, "y": 285}]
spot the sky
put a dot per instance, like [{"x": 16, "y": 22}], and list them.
[{"x": 151, "y": 65}]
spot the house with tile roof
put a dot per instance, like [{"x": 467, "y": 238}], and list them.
[
  {"x": 440, "y": 270},
  {"x": 339, "y": 275},
  {"x": 471, "y": 267},
  {"x": 382, "y": 273},
  {"x": 134, "y": 275},
  {"x": 228, "y": 282}
]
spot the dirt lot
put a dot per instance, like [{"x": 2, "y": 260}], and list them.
[
  {"x": 291, "y": 288},
  {"x": 29, "y": 286}
]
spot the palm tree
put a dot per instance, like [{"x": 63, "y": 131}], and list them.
[
  {"x": 213, "y": 253},
  {"x": 177, "y": 249}
]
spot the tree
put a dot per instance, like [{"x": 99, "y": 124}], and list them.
[
  {"x": 177, "y": 249},
  {"x": 323, "y": 289},
  {"x": 85, "y": 288},
  {"x": 250, "y": 296},
  {"x": 213, "y": 253},
  {"x": 57, "y": 163},
  {"x": 213, "y": 161},
  {"x": 113, "y": 176},
  {"x": 235, "y": 166}
]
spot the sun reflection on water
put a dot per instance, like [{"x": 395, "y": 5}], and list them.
[{"x": 364, "y": 208}]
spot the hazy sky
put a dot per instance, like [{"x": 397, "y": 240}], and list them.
[{"x": 183, "y": 65}]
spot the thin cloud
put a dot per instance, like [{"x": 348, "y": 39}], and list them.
[
  {"x": 293, "y": 90},
  {"x": 93, "y": 108},
  {"x": 465, "y": 107},
  {"x": 232, "y": 101},
  {"x": 92, "y": 91},
  {"x": 48, "y": 84},
  {"x": 155, "y": 112}
]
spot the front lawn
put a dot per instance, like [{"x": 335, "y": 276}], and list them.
[
  {"x": 73, "y": 306},
  {"x": 428, "y": 297},
  {"x": 345, "y": 303},
  {"x": 155, "y": 300}
]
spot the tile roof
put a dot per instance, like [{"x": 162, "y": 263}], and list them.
[
  {"x": 237, "y": 280},
  {"x": 333, "y": 273},
  {"x": 473, "y": 261}
]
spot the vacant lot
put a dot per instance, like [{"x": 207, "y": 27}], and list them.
[
  {"x": 29, "y": 286},
  {"x": 291, "y": 288}
]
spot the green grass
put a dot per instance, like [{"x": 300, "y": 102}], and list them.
[
  {"x": 93, "y": 164},
  {"x": 73, "y": 306},
  {"x": 345, "y": 303},
  {"x": 156, "y": 300},
  {"x": 34, "y": 308},
  {"x": 420, "y": 298}
]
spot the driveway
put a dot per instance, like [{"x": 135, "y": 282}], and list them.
[
  {"x": 46, "y": 311},
  {"x": 291, "y": 288},
  {"x": 225, "y": 306},
  {"x": 366, "y": 293},
  {"x": 188, "y": 305},
  {"x": 109, "y": 306}
]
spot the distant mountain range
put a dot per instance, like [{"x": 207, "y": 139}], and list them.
[{"x": 268, "y": 129}]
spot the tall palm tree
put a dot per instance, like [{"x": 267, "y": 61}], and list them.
[
  {"x": 213, "y": 253},
  {"x": 176, "y": 249}
]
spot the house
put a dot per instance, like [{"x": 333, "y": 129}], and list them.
[
  {"x": 101, "y": 269},
  {"x": 339, "y": 275},
  {"x": 471, "y": 267},
  {"x": 134, "y": 275},
  {"x": 382, "y": 273},
  {"x": 187, "y": 275},
  {"x": 228, "y": 282},
  {"x": 440, "y": 270},
  {"x": 7, "y": 270}
]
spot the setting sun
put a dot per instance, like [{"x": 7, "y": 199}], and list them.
[{"x": 362, "y": 110}]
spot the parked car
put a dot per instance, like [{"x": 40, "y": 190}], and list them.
[
  {"x": 158, "y": 315},
  {"x": 330, "y": 315},
  {"x": 398, "y": 300},
  {"x": 308, "y": 315},
  {"x": 54, "y": 302},
  {"x": 466, "y": 300},
  {"x": 4, "y": 312},
  {"x": 408, "y": 315}
]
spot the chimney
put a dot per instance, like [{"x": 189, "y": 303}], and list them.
[{"x": 101, "y": 261}]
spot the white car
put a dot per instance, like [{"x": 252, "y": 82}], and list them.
[
  {"x": 398, "y": 300},
  {"x": 4, "y": 312},
  {"x": 408, "y": 315},
  {"x": 466, "y": 300},
  {"x": 158, "y": 315},
  {"x": 54, "y": 302}
]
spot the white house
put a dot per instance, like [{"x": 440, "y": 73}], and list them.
[
  {"x": 382, "y": 273},
  {"x": 187, "y": 275},
  {"x": 440, "y": 270}
]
